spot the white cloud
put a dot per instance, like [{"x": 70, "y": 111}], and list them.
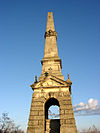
[{"x": 92, "y": 107}]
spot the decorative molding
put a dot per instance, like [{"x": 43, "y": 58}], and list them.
[{"x": 50, "y": 33}]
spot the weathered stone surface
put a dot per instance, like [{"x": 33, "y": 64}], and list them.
[
  {"x": 36, "y": 107},
  {"x": 51, "y": 89},
  {"x": 34, "y": 112},
  {"x": 31, "y": 123},
  {"x": 41, "y": 113}
]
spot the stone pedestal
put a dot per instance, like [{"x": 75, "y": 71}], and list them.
[{"x": 37, "y": 119}]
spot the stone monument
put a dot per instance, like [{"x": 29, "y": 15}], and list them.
[{"x": 51, "y": 89}]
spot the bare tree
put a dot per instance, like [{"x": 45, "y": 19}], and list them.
[
  {"x": 92, "y": 129},
  {"x": 7, "y": 125}
]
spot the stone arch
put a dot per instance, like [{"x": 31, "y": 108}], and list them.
[
  {"x": 51, "y": 125},
  {"x": 51, "y": 101}
]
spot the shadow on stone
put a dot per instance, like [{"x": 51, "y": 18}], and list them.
[{"x": 55, "y": 126}]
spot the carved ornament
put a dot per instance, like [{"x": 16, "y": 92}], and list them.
[{"x": 50, "y": 33}]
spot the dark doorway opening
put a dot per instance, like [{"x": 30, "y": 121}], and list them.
[{"x": 52, "y": 117}]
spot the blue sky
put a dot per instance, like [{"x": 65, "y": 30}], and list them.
[{"x": 22, "y": 28}]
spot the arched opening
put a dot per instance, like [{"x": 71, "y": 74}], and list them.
[
  {"x": 52, "y": 117},
  {"x": 54, "y": 112}
]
